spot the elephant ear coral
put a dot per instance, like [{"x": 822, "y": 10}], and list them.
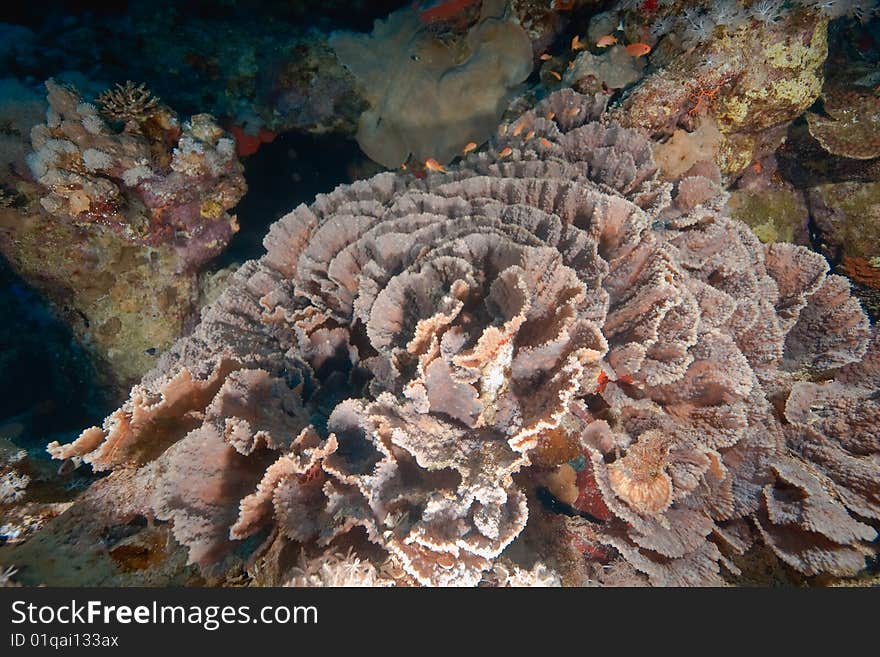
[
  {"x": 412, "y": 360},
  {"x": 430, "y": 96},
  {"x": 834, "y": 427}
]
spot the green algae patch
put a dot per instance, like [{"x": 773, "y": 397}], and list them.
[
  {"x": 774, "y": 215},
  {"x": 848, "y": 215}
]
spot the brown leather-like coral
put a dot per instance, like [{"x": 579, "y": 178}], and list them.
[
  {"x": 408, "y": 351},
  {"x": 853, "y": 129}
]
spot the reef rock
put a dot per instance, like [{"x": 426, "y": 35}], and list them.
[
  {"x": 412, "y": 359},
  {"x": 752, "y": 80},
  {"x": 615, "y": 69},
  {"x": 115, "y": 226}
]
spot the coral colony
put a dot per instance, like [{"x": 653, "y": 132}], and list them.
[{"x": 606, "y": 317}]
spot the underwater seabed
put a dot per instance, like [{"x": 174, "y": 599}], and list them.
[{"x": 440, "y": 293}]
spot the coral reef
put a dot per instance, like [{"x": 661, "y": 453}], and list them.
[
  {"x": 862, "y": 270},
  {"x": 116, "y": 225},
  {"x": 305, "y": 88},
  {"x": 334, "y": 569},
  {"x": 22, "y": 108},
  {"x": 695, "y": 22},
  {"x": 429, "y": 96},
  {"x": 834, "y": 427},
  {"x": 13, "y": 482},
  {"x": 233, "y": 61},
  {"x": 539, "y": 20},
  {"x": 31, "y": 492},
  {"x": 413, "y": 359},
  {"x": 100, "y": 541},
  {"x": 804, "y": 162},
  {"x": 539, "y": 576},
  {"x": 685, "y": 148}
]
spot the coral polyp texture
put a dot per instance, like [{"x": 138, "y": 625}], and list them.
[{"x": 413, "y": 360}]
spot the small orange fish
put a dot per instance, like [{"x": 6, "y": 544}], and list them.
[
  {"x": 471, "y": 145},
  {"x": 556, "y": 75},
  {"x": 546, "y": 143},
  {"x": 572, "y": 111},
  {"x": 529, "y": 135},
  {"x": 757, "y": 168},
  {"x": 605, "y": 41},
  {"x": 577, "y": 44},
  {"x": 638, "y": 49},
  {"x": 502, "y": 129},
  {"x": 518, "y": 128},
  {"x": 433, "y": 165},
  {"x": 545, "y": 57},
  {"x": 507, "y": 150},
  {"x": 551, "y": 116}
]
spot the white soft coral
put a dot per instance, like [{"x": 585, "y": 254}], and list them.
[
  {"x": 831, "y": 8},
  {"x": 697, "y": 26},
  {"x": 662, "y": 26},
  {"x": 861, "y": 9},
  {"x": 727, "y": 13},
  {"x": 766, "y": 11}
]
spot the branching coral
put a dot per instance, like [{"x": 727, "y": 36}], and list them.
[
  {"x": 411, "y": 358},
  {"x": 129, "y": 103}
]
